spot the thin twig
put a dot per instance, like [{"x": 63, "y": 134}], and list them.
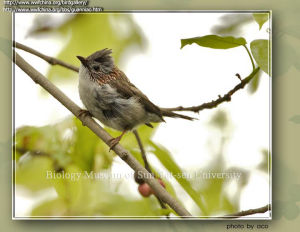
[
  {"x": 251, "y": 59},
  {"x": 215, "y": 103},
  {"x": 146, "y": 163},
  {"x": 196, "y": 109},
  {"x": 54, "y": 61},
  {"x": 138, "y": 139},
  {"x": 102, "y": 134},
  {"x": 49, "y": 59},
  {"x": 250, "y": 212}
]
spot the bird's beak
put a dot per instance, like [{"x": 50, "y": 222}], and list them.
[{"x": 83, "y": 61}]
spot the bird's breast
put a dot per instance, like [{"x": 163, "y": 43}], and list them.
[{"x": 112, "y": 109}]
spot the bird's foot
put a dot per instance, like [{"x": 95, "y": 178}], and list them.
[
  {"x": 84, "y": 113},
  {"x": 113, "y": 142}
]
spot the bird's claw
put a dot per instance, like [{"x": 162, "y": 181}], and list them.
[
  {"x": 113, "y": 142},
  {"x": 84, "y": 113}
]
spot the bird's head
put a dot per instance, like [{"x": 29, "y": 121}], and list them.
[{"x": 98, "y": 64}]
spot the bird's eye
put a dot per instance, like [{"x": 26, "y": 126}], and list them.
[{"x": 96, "y": 68}]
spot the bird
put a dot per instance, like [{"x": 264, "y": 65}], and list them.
[{"x": 110, "y": 97}]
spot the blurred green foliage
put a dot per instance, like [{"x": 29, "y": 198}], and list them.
[
  {"x": 266, "y": 162},
  {"x": 232, "y": 24},
  {"x": 211, "y": 188},
  {"x": 261, "y": 18},
  {"x": 86, "y": 33},
  {"x": 254, "y": 83},
  {"x": 167, "y": 161},
  {"x": 68, "y": 148}
]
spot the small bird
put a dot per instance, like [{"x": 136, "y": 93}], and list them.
[{"x": 110, "y": 97}]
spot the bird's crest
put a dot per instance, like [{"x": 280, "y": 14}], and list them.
[{"x": 103, "y": 57}]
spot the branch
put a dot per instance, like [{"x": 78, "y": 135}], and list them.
[
  {"x": 49, "y": 59},
  {"x": 250, "y": 212},
  {"x": 147, "y": 166},
  {"x": 54, "y": 61},
  {"x": 196, "y": 109},
  {"x": 215, "y": 103},
  {"x": 138, "y": 139},
  {"x": 101, "y": 133}
]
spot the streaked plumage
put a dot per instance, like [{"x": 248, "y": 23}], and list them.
[{"x": 110, "y": 97}]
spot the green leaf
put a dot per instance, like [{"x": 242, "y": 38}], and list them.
[
  {"x": 212, "y": 193},
  {"x": 220, "y": 120},
  {"x": 56, "y": 207},
  {"x": 260, "y": 50},
  {"x": 165, "y": 158},
  {"x": 295, "y": 119},
  {"x": 86, "y": 145},
  {"x": 129, "y": 141},
  {"x": 261, "y": 18},
  {"x": 68, "y": 184},
  {"x": 215, "y": 41},
  {"x": 32, "y": 173},
  {"x": 265, "y": 164},
  {"x": 227, "y": 205},
  {"x": 137, "y": 155},
  {"x": 254, "y": 83},
  {"x": 165, "y": 211},
  {"x": 117, "y": 205},
  {"x": 48, "y": 139}
]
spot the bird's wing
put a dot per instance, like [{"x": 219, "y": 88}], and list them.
[{"x": 127, "y": 90}]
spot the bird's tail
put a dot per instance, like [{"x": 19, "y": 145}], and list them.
[{"x": 175, "y": 115}]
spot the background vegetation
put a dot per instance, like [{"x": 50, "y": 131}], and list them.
[{"x": 68, "y": 147}]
